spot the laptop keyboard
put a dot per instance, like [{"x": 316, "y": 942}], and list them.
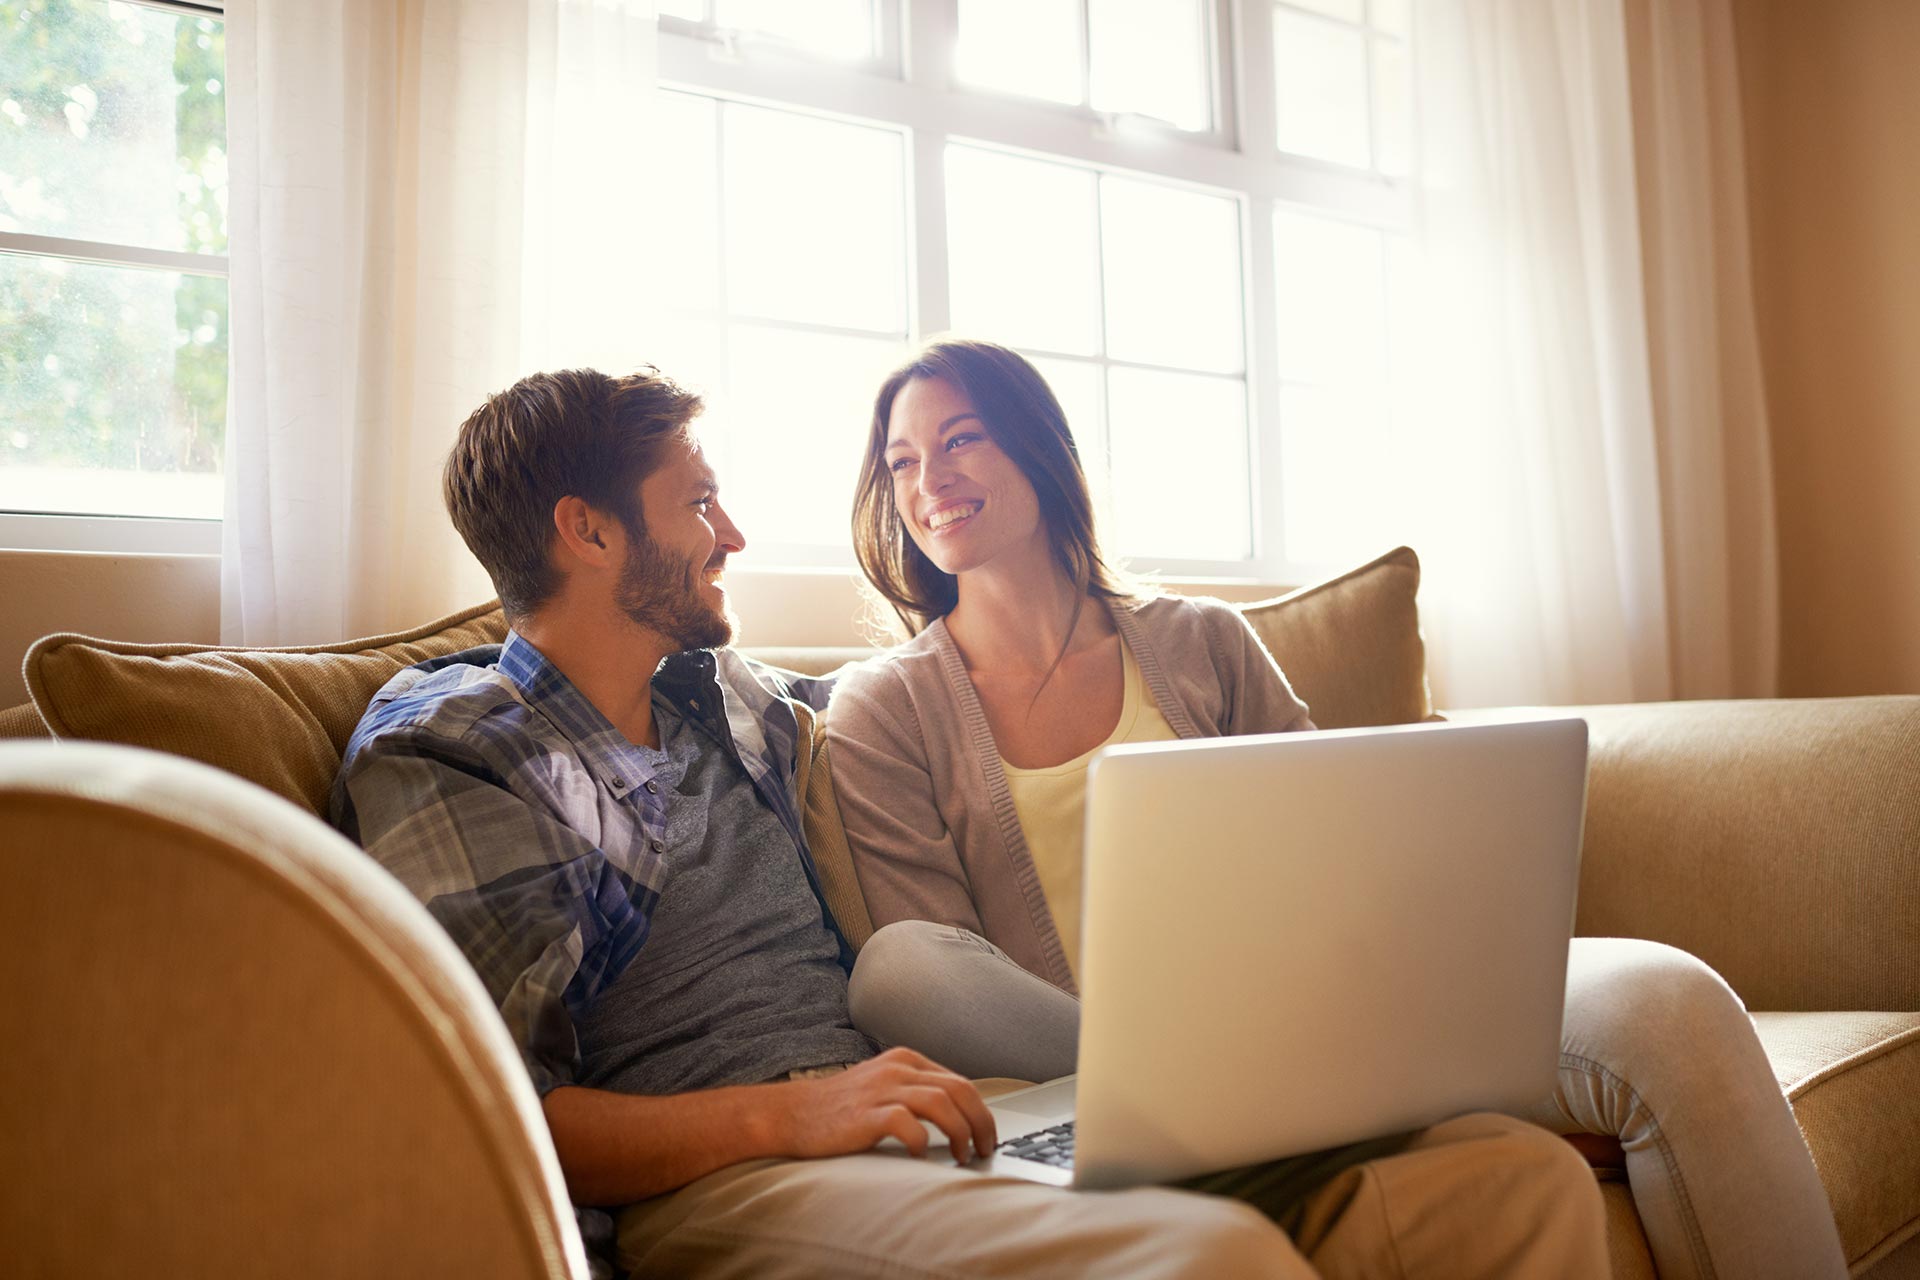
[{"x": 1048, "y": 1146}]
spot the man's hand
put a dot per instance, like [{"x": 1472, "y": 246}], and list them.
[{"x": 888, "y": 1097}]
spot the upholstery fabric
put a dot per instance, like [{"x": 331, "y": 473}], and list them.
[
  {"x": 22, "y": 722},
  {"x": 1779, "y": 841},
  {"x": 278, "y": 717},
  {"x": 1852, "y": 1079},
  {"x": 827, "y": 839},
  {"x": 237, "y": 1047},
  {"x": 1351, "y": 645}
]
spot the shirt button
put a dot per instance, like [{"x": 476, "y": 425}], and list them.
[
  {"x": 652, "y": 789},
  {"x": 694, "y": 703},
  {"x": 658, "y": 847},
  {"x": 618, "y": 783}
]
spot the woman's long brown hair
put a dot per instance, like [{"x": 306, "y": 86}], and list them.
[{"x": 1025, "y": 420}]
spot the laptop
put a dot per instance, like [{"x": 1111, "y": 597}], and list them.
[{"x": 1296, "y": 941}]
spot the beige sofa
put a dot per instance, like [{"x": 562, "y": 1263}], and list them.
[{"x": 239, "y": 1046}]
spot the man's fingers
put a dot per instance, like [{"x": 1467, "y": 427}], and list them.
[
  {"x": 986, "y": 1135},
  {"x": 898, "y": 1121},
  {"x": 935, "y": 1105}
]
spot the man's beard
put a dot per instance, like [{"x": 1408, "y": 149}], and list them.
[{"x": 663, "y": 595}]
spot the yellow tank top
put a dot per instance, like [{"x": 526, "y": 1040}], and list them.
[{"x": 1051, "y": 804}]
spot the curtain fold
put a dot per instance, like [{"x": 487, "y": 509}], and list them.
[
  {"x": 418, "y": 187},
  {"x": 1578, "y": 381}
]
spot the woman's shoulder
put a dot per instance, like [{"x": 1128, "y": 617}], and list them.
[
  {"x": 891, "y": 674},
  {"x": 1173, "y": 616}
]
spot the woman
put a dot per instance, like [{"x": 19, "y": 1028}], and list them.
[{"x": 959, "y": 759}]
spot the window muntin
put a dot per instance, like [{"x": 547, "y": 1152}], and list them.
[
  {"x": 1341, "y": 82},
  {"x": 113, "y": 300},
  {"x": 1150, "y": 58},
  {"x": 788, "y": 308},
  {"x": 1035, "y": 270}
]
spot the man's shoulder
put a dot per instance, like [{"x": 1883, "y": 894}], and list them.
[{"x": 461, "y": 699}]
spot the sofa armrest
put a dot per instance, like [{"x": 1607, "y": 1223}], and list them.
[{"x": 1779, "y": 841}]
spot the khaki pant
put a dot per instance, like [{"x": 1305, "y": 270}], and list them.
[{"x": 1482, "y": 1195}]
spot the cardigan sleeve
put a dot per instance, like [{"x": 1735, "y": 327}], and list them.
[
  {"x": 1258, "y": 697},
  {"x": 904, "y": 854}
]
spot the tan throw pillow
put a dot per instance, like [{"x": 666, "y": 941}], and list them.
[
  {"x": 1351, "y": 645},
  {"x": 278, "y": 717}
]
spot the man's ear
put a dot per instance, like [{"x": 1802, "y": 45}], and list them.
[{"x": 586, "y": 534}]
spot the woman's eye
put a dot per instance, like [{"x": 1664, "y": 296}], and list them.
[
  {"x": 964, "y": 438},
  {"x": 899, "y": 464}
]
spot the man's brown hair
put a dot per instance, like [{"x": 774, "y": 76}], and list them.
[{"x": 576, "y": 433}]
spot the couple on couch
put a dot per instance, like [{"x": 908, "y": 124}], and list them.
[{"x": 601, "y": 813}]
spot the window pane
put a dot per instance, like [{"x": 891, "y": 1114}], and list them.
[
  {"x": 1329, "y": 299},
  {"x": 1022, "y": 251},
  {"x": 687, "y": 270},
  {"x": 836, "y": 28},
  {"x": 1345, "y": 10},
  {"x": 1392, "y": 108},
  {"x": 113, "y": 389},
  {"x": 1079, "y": 385},
  {"x": 803, "y": 399},
  {"x": 814, "y": 220},
  {"x": 1150, "y": 57},
  {"x": 1180, "y": 474},
  {"x": 1330, "y": 445},
  {"x": 1028, "y": 47},
  {"x": 1320, "y": 88},
  {"x": 113, "y": 124},
  {"x": 1172, "y": 262},
  {"x": 1394, "y": 16}
]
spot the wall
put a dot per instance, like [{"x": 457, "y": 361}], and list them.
[
  {"x": 144, "y": 598},
  {"x": 1831, "y": 96}
]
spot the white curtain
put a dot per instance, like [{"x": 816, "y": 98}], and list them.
[
  {"x": 1586, "y": 438},
  {"x": 431, "y": 198}
]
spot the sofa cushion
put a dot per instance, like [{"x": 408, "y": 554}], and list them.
[
  {"x": 278, "y": 717},
  {"x": 1351, "y": 645},
  {"x": 1854, "y": 1082}
]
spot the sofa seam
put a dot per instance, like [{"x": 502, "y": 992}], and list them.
[{"x": 1859, "y": 1058}]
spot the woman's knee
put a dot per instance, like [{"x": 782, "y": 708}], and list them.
[{"x": 1627, "y": 988}]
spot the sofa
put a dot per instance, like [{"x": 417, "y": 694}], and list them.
[{"x": 237, "y": 1045}]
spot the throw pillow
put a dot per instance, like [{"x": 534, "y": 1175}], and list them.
[
  {"x": 278, "y": 717},
  {"x": 1351, "y": 645}
]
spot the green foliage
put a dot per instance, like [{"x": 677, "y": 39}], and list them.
[{"x": 112, "y": 367}]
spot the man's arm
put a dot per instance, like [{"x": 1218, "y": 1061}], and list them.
[{"x": 617, "y": 1148}]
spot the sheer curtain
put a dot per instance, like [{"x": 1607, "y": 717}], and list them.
[
  {"x": 1592, "y": 499},
  {"x": 430, "y": 199}
]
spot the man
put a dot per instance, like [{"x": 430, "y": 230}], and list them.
[{"x": 602, "y": 814}]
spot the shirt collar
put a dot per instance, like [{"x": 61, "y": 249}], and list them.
[{"x": 619, "y": 766}]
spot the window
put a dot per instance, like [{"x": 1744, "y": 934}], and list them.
[
  {"x": 1184, "y": 211},
  {"x": 113, "y": 292}
]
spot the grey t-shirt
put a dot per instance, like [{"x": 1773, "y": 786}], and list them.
[{"x": 738, "y": 980}]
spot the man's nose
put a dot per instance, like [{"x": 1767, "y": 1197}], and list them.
[{"x": 731, "y": 539}]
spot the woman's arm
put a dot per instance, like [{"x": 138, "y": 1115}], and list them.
[
  {"x": 903, "y": 852},
  {"x": 1258, "y": 697}
]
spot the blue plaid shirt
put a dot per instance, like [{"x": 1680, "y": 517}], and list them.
[{"x": 532, "y": 829}]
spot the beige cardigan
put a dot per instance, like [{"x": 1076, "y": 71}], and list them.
[{"x": 928, "y": 815}]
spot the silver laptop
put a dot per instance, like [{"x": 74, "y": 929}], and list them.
[{"x": 1297, "y": 941}]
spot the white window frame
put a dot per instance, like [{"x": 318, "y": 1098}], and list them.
[
  {"x": 105, "y": 531},
  {"x": 1240, "y": 156}
]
